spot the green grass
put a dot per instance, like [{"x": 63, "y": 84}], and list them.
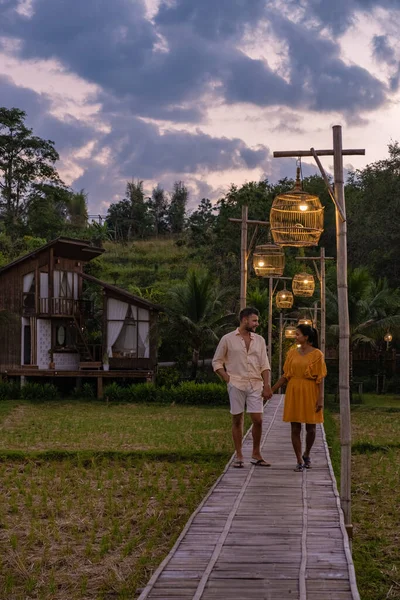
[
  {"x": 92, "y": 497},
  {"x": 125, "y": 427},
  {"x": 94, "y": 531},
  {"x": 375, "y": 492}
]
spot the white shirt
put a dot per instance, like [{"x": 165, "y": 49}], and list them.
[{"x": 243, "y": 366}]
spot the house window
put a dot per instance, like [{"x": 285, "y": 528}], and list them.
[{"x": 65, "y": 336}]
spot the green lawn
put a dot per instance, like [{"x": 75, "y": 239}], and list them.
[
  {"x": 125, "y": 427},
  {"x": 375, "y": 493},
  {"x": 92, "y": 496}
]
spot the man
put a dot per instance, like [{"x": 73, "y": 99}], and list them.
[{"x": 241, "y": 361}]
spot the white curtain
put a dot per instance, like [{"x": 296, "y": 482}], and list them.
[
  {"x": 56, "y": 284},
  {"x": 126, "y": 341},
  {"x": 44, "y": 285},
  {"x": 69, "y": 284},
  {"x": 76, "y": 286},
  {"x": 143, "y": 340},
  {"x": 28, "y": 280},
  {"x": 116, "y": 313}
]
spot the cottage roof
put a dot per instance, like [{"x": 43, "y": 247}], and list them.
[
  {"x": 63, "y": 247},
  {"x": 117, "y": 292}
]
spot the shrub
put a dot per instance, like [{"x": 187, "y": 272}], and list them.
[
  {"x": 190, "y": 393},
  {"x": 86, "y": 391},
  {"x": 114, "y": 393},
  {"x": 9, "y": 390},
  {"x": 168, "y": 377},
  {"x": 36, "y": 391}
]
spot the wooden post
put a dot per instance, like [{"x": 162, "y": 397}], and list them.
[
  {"x": 99, "y": 387},
  {"x": 244, "y": 251},
  {"x": 344, "y": 328},
  {"x": 280, "y": 346},
  {"x": 243, "y": 257},
  {"x": 344, "y": 334},
  {"x": 323, "y": 301},
  {"x": 270, "y": 296}
]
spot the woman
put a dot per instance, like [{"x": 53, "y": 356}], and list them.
[{"x": 304, "y": 370}]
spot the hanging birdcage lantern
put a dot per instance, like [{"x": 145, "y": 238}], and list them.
[
  {"x": 305, "y": 321},
  {"x": 284, "y": 298},
  {"x": 388, "y": 338},
  {"x": 296, "y": 218},
  {"x": 269, "y": 260},
  {"x": 303, "y": 284},
  {"x": 290, "y": 331}
]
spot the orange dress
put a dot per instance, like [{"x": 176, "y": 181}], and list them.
[{"x": 303, "y": 372}]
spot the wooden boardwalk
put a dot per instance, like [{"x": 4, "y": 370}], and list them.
[{"x": 264, "y": 533}]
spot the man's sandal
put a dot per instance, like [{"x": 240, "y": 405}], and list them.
[
  {"x": 259, "y": 462},
  {"x": 299, "y": 468},
  {"x": 307, "y": 462},
  {"x": 238, "y": 464}
]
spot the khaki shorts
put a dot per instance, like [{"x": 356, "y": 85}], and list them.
[{"x": 250, "y": 398}]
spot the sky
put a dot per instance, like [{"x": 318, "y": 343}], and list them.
[{"x": 201, "y": 91}]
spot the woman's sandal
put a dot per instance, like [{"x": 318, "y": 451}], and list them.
[{"x": 299, "y": 468}]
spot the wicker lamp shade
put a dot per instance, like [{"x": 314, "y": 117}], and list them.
[
  {"x": 305, "y": 321},
  {"x": 303, "y": 284},
  {"x": 296, "y": 218},
  {"x": 284, "y": 299},
  {"x": 269, "y": 260},
  {"x": 290, "y": 331}
]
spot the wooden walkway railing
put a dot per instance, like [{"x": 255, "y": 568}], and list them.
[{"x": 264, "y": 533}]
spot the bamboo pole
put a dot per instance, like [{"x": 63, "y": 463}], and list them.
[
  {"x": 270, "y": 296},
  {"x": 280, "y": 346},
  {"x": 344, "y": 330},
  {"x": 323, "y": 300},
  {"x": 297, "y": 153},
  {"x": 243, "y": 257}
]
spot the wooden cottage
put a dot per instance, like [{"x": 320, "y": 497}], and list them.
[{"x": 49, "y": 303}]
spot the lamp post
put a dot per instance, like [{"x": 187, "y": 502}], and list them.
[
  {"x": 341, "y": 244},
  {"x": 244, "y": 250}
]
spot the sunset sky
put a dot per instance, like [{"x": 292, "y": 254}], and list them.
[{"x": 201, "y": 91}]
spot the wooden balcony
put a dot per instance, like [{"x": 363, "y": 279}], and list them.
[{"x": 56, "y": 307}]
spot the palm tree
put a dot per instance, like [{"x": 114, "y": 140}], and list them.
[
  {"x": 195, "y": 312},
  {"x": 373, "y": 309}
]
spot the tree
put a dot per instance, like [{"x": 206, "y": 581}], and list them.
[
  {"x": 373, "y": 203},
  {"x": 195, "y": 312},
  {"x": 77, "y": 209},
  {"x": 130, "y": 217},
  {"x": 373, "y": 308},
  {"x": 118, "y": 219},
  {"x": 158, "y": 210},
  {"x": 140, "y": 221},
  {"x": 177, "y": 207},
  {"x": 202, "y": 223},
  {"x": 25, "y": 160},
  {"x": 47, "y": 209}
]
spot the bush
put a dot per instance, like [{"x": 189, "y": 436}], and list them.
[
  {"x": 168, "y": 377},
  {"x": 36, "y": 391},
  {"x": 87, "y": 392},
  {"x": 9, "y": 390},
  {"x": 190, "y": 393}
]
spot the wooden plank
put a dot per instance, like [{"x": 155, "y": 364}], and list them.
[{"x": 263, "y": 533}]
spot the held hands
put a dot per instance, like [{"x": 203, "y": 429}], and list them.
[
  {"x": 267, "y": 392},
  {"x": 319, "y": 405}
]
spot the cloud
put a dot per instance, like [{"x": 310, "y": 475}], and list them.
[
  {"x": 67, "y": 134},
  {"x": 172, "y": 67}
]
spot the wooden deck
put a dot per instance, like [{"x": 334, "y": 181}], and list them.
[{"x": 264, "y": 533}]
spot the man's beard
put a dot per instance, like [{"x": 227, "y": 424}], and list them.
[{"x": 250, "y": 329}]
